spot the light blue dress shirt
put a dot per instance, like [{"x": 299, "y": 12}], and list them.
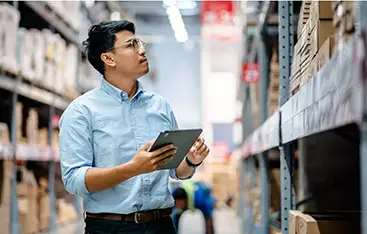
[{"x": 104, "y": 128}]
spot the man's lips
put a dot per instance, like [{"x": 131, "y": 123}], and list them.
[{"x": 143, "y": 60}]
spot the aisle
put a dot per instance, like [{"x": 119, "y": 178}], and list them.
[{"x": 226, "y": 222}]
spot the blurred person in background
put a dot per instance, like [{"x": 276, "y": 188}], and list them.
[
  {"x": 192, "y": 195},
  {"x": 105, "y": 135}
]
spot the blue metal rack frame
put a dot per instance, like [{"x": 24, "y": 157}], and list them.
[{"x": 326, "y": 102}]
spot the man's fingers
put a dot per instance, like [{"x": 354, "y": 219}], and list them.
[
  {"x": 166, "y": 154},
  {"x": 201, "y": 149},
  {"x": 162, "y": 150},
  {"x": 206, "y": 152},
  {"x": 165, "y": 159},
  {"x": 147, "y": 145}
]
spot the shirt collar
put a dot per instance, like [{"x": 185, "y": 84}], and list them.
[{"x": 118, "y": 94}]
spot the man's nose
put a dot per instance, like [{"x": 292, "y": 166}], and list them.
[{"x": 142, "y": 51}]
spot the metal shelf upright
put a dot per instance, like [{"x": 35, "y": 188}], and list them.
[{"x": 285, "y": 10}]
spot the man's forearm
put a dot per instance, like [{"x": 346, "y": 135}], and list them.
[
  {"x": 184, "y": 171},
  {"x": 98, "y": 179}
]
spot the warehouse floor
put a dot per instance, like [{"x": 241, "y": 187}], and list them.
[{"x": 226, "y": 222}]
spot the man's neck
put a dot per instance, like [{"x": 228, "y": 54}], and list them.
[{"x": 127, "y": 85}]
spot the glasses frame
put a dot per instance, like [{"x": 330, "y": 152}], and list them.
[{"x": 140, "y": 44}]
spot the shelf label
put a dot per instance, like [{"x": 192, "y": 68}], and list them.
[{"x": 250, "y": 72}]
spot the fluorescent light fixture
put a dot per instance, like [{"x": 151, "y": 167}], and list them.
[
  {"x": 169, "y": 2},
  {"x": 187, "y": 5},
  {"x": 115, "y": 15},
  {"x": 177, "y": 24},
  {"x": 89, "y": 3}
]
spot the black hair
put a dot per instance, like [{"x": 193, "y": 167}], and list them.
[
  {"x": 179, "y": 193},
  {"x": 101, "y": 38}
]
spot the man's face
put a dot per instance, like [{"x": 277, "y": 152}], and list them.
[{"x": 129, "y": 55}]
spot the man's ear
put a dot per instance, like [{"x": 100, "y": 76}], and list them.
[{"x": 108, "y": 59}]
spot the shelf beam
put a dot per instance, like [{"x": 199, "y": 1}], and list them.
[
  {"x": 33, "y": 93},
  {"x": 61, "y": 26}
]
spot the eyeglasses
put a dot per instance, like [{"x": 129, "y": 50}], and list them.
[{"x": 134, "y": 43}]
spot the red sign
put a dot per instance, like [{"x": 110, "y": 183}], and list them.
[
  {"x": 250, "y": 72},
  {"x": 217, "y": 12}
]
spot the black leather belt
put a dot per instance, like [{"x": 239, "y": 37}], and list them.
[{"x": 138, "y": 217}]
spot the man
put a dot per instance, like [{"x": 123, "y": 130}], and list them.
[
  {"x": 191, "y": 195},
  {"x": 105, "y": 135}
]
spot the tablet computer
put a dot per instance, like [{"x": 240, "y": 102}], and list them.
[{"x": 183, "y": 140}]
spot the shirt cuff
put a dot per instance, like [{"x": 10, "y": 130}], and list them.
[
  {"x": 80, "y": 185},
  {"x": 173, "y": 174}
]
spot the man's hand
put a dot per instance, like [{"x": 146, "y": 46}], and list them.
[
  {"x": 199, "y": 151},
  {"x": 146, "y": 162}
]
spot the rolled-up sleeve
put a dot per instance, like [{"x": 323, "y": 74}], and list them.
[
  {"x": 174, "y": 126},
  {"x": 76, "y": 149}
]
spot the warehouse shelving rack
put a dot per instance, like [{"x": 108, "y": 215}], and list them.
[
  {"x": 51, "y": 103},
  {"x": 333, "y": 100}
]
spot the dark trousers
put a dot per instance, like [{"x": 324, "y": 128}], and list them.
[{"x": 103, "y": 226}]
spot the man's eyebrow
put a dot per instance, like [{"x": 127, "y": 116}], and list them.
[{"x": 130, "y": 39}]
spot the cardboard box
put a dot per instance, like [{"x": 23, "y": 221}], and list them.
[
  {"x": 6, "y": 175},
  {"x": 303, "y": 17},
  {"x": 314, "y": 67},
  {"x": 348, "y": 21},
  {"x": 39, "y": 52},
  {"x": 293, "y": 221},
  {"x": 349, "y": 6},
  {"x": 306, "y": 225},
  {"x": 43, "y": 137},
  {"x": 19, "y": 120},
  {"x": 325, "y": 52},
  {"x": 338, "y": 15},
  {"x": 4, "y": 134},
  {"x": 27, "y": 192},
  {"x": 9, "y": 31},
  {"x": 44, "y": 212},
  {"x": 319, "y": 34},
  {"x": 66, "y": 212},
  {"x": 321, "y": 10},
  {"x": 32, "y": 127}
]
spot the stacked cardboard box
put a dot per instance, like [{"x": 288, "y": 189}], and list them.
[
  {"x": 301, "y": 59},
  {"x": 44, "y": 204},
  {"x": 273, "y": 92},
  {"x": 315, "y": 32},
  {"x": 301, "y": 223},
  {"x": 43, "y": 137},
  {"x": 304, "y": 15},
  {"x": 255, "y": 102},
  {"x": 343, "y": 21},
  {"x": 321, "y": 30},
  {"x": 9, "y": 24},
  {"x": 326, "y": 52},
  {"x": 32, "y": 127},
  {"x": 42, "y": 57},
  {"x": 27, "y": 192},
  {"x": 6, "y": 175},
  {"x": 4, "y": 134},
  {"x": 221, "y": 182},
  {"x": 19, "y": 122},
  {"x": 66, "y": 212}
]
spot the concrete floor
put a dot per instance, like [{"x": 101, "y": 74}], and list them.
[{"x": 225, "y": 222}]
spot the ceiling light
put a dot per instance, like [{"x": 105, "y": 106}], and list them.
[
  {"x": 169, "y": 2},
  {"x": 187, "y": 5},
  {"x": 89, "y": 3},
  {"x": 115, "y": 15}
]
